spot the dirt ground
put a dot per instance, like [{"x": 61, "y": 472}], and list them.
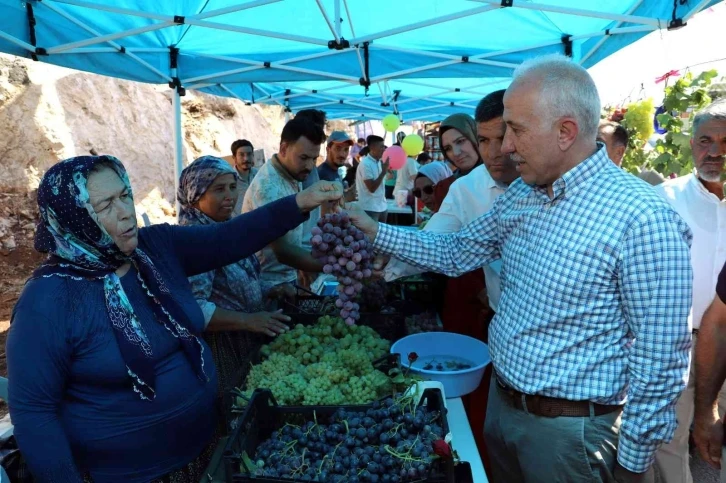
[{"x": 15, "y": 266}]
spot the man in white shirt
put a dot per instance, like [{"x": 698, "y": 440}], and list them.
[
  {"x": 699, "y": 200},
  {"x": 282, "y": 176},
  {"x": 473, "y": 195},
  {"x": 406, "y": 176},
  {"x": 369, "y": 181}
]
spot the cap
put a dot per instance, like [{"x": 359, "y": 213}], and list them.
[{"x": 339, "y": 137}]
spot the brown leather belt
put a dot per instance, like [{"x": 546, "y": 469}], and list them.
[{"x": 550, "y": 407}]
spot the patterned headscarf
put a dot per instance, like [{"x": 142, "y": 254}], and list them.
[
  {"x": 80, "y": 248},
  {"x": 195, "y": 180},
  {"x": 436, "y": 171}
]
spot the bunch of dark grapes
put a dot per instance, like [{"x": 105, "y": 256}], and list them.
[
  {"x": 392, "y": 441},
  {"x": 343, "y": 250}
]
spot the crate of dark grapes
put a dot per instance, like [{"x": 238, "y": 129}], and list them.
[{"x": 391, "y": 440}]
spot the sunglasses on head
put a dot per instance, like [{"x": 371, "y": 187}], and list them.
[{"x": 429, "y": 190}]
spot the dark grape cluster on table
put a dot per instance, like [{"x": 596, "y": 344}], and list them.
[
  {"x": 343, "y": 250},
  {"x": 393, "y": 441}
]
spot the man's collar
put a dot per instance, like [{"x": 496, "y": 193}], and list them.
[
  {"x": 579, "y": 175},
  {"x": 281, "y": 169}
]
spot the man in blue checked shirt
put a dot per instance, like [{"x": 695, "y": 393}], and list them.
[{"x": 591, "y": 342}]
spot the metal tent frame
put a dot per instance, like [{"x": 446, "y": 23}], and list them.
[{"x": 399, "y": 68}]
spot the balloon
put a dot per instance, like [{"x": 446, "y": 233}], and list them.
[
  {"x": 396, "y": 156},
  {"x": 391, "y": 123},
  {"x": 413, "y": 144}
]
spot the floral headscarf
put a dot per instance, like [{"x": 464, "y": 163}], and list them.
[
  {"x": 243, "y": 276},
  {"x": 195, "y": 180},
  {"x": 81, "y": 249}
]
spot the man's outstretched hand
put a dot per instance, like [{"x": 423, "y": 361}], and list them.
[{"x": 365, "y": 223}]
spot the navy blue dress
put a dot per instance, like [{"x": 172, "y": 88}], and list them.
[{"x": 69, "y": 392}]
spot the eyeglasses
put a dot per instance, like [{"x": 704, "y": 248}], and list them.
[{"x": 429, "y": 190}]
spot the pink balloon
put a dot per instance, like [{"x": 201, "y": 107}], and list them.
[{"x": 396, "y": 155}]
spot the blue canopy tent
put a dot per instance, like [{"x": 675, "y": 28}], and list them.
[{"x": 355, "y": 59}]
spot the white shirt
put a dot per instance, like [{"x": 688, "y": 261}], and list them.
[
  {"x": 270, "y": 184},
  {"x": 369, "y": 168},
  {"x": 406, "y": 176},
  {"x": 468, "y": 198},
  {"x": 706, "y": 216}
]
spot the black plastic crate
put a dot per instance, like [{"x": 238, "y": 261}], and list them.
[
  {"x": 425, "y": 291},
  {"x": 383, "y": 364},
  {"x": 262, "y": 416}
]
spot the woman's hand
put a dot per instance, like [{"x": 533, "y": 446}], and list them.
[
  {"x": 319, "y": 193},
  {"x": 269, "y": 323}
]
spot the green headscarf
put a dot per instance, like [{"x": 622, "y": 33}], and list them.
[{"x": 466, "y": 125}]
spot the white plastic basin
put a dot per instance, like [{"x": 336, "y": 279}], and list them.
[{"x": 446, "y": 348}]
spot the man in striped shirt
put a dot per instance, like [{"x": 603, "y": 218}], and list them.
[{"x": 591, "y": 342}]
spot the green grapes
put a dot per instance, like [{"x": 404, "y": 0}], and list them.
[{"x": 329, "y": 363}]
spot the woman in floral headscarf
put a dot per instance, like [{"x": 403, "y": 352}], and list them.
[
  {"x": 108, "y": 378},
  {"x": 231, "y": 297}
]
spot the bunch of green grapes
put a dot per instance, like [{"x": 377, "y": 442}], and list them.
[
  {"x": 327, "y": 363},
  {"x": 639, "y": 119}
]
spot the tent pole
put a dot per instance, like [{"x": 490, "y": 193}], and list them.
[
  {"x": 338, "y": 20},
  {"x": 178, "y": 148}
]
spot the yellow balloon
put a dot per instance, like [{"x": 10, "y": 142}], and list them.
[
  {"x": 413, "y": 144},
  {"x": 391, "y": 123}
]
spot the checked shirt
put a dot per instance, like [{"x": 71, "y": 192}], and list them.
[{"x": 596, "y": 290}]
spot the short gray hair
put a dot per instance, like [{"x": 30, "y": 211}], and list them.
[
  {"x": 716, "y": 110},
  {"x": 567, "y": 90}
]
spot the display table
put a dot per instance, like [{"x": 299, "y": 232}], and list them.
[{"x": 462, "y": 439}]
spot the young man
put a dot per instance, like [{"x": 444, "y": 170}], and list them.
[
  {"x": 369, "y": 180},
  {"x": 339, "y": 144},
  {"x": 588, "y": 359},
  {"x": 282, "y": 176},
  {"x": 699, "y": 199},
  {"x": 244, "y": 162}
]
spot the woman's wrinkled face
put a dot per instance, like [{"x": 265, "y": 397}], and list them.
[
  {"x": 114, "y": 207},
  {"x": 220, "y": 198},
  {"x": 459, "y": 149},
  {"x": 425, "y": 187}
]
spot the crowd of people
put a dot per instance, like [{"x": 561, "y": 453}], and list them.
[{"x": 594, "y": 289}]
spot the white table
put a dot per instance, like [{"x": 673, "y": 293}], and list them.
[
  {"x": 399, "y": 210},
  {"x": 463, "y": 439}
]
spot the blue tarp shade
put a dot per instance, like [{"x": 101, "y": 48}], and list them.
[{"x": 423, "y": 59}]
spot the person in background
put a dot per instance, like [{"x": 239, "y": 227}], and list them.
[
  {"x": 425, "y": 183},
  {"x": 109, "y": 377},
  {"x": 355, "y": 150},
  {"x": 369, "y": 180},
  {"x": 283, "y": 176},
  {"x": 339, "y": 144},
  {"x": 424, "y": 159},
  {"x": 244, "y": 162},
  {"x": 231, "y": 297},
  {"x": 591, "y": 342},
  {"x": 457, "y": 138},
  {"x": 406, "y": 176},
  {"x": 616, "y": 138},
  {"x": 390, "y": 183},
  {"x": 351, "y": 193},
  {"x": 699, "y": 199}
]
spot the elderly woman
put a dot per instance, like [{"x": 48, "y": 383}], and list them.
[
  {"x": 109, "y": 379},
  {"x": 231, "y": 297},
  {"x": 458, "y": 141},
  {"x": 429, "y": 176}
]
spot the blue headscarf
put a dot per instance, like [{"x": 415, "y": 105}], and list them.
[
  {"x": 80, "y": 248},
  {"x": 195, "y": 180}
]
